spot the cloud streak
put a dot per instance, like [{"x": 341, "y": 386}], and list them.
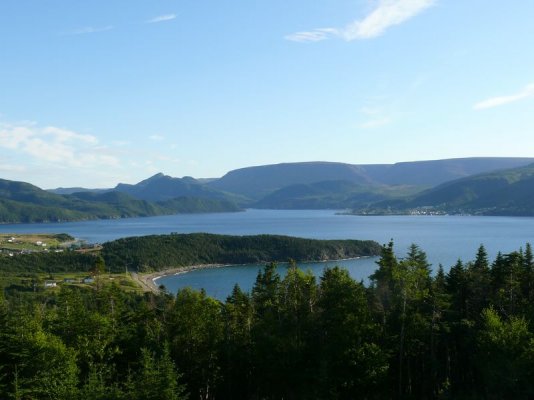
[
  {"x": 161, "y": 18},
  {"x": 525, "y": 93},
  {"x": 388, "y": 13}
]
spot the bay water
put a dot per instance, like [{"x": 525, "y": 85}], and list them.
[{"x": 443, "y": 238}]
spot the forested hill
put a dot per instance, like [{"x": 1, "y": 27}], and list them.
[
  {"x": 162, "y": 187},
  {"x": 23, "y": 202},
  {"x": 507, "y": 192},
  {"x": 330, "y": 195},
  {"x": 149, "y": 253}
]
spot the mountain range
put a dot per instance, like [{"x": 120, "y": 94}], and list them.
[
  {"x": 256, "y": 182},
  {"x": 500, "y": 186}
]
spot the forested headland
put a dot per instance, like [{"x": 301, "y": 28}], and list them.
[
  {"x": 158, "y": 252},
  {"x": 408, "y": 334}
]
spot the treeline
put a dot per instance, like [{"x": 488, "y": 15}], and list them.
[
  {"x": 464, "y": 334},
  {"x": 67, "y": 261},
  {"x": 153, "y": 253}
]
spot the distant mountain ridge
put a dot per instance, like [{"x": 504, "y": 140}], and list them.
[
  {"x": 162, "y": 187},
  {"x": 257, "y": 182}
]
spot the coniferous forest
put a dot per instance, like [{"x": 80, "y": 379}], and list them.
[{"x": 407, "y": 334}]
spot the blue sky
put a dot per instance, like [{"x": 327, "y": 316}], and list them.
[{"x": 99, "y": 92}]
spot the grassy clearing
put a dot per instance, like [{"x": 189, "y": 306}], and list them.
[
  {"x": 33, "y": 242},
  {"x": 36, "y": 282}
]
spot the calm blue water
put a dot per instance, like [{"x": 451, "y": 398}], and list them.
[
  {"x": 444, "y": 238},
  {"x": 219, "y": 282}
]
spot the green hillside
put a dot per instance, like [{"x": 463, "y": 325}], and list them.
[
  {"x": 331, "y": 195},
  {"x": 507, "y": 192},
  {"x": 23, "y": 202}
]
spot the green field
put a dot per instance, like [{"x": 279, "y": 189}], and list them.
[
  {"x": 34, "y": 242},
  {"x": 36, "y": 281}
]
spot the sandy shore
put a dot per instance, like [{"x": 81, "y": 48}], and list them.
[{"x": 148, "y": 281}]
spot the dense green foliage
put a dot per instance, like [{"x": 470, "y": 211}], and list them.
[
  {"x": 67, "y": 261},
  {"x": 153, "y": 253},
  {"x": 22, "y": 202},
  {"x": 465, "y": 334}
]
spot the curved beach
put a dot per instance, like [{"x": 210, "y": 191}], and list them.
[{"x": 148, "y": 281}]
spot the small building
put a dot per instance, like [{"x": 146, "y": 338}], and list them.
[
  {"x": 50, "y": 284},
  {"x": 69, "y": 280},
  {"x": 88, "y": 279}
]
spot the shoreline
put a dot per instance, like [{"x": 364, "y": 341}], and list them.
[{"x": 147, "y": 281}]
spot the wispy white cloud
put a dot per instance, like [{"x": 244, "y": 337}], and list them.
[
  {"x": 525, "y": 93},
  {"x": 90, "y": 29},
  {"x": 53, "y": 145},
  {"x": 388, "y": 13},
  {"x": 161, "y": 18},
  {"x": 51, "y": 156}
]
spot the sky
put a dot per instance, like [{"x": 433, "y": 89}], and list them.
[{"x": 97, "y": 92}]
